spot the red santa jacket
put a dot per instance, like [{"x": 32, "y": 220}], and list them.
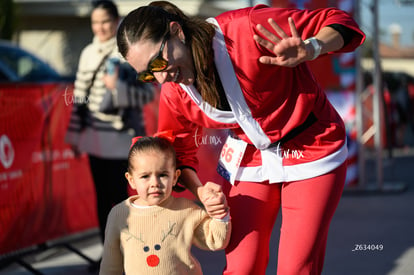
[{"x": 267, "y": 102}]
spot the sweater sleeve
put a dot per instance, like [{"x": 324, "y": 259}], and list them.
[
  {"x": 212, "y": 234},
  {"x": 112, "y": 258}
]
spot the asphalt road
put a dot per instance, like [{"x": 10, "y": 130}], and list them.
[{"x": 372, "y": 232}]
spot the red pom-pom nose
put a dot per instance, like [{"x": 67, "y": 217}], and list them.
[{"x": 153, "y": 260}]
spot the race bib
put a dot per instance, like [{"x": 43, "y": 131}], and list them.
[{"x": 230, "y": 158}]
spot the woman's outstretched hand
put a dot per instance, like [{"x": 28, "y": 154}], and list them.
[
  {"x": 289, "y": 51},
  {"x": 214, "y": 200}
]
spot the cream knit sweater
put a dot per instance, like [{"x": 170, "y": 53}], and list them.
[
  {"x": 106, "y": 134},
  {"x": 157, "y": 240}
]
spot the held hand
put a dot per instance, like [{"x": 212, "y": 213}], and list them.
[
  {"x": 214, "y": 200},
  {"x": 289, "y": 51}
]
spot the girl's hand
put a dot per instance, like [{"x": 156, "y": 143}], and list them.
[
  {"x": 214, "y": 200},
  {"x": 289, "y": 51}
]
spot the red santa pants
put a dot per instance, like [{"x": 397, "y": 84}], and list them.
[{"x": 307, "y": 210}]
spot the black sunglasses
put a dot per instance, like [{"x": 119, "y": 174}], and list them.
[{"x": 156, "y": 64}]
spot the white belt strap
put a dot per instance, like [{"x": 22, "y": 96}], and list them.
[{"x": 272, "y": 168}]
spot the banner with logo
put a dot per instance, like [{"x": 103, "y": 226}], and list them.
[{"x": 45, "y": 191}]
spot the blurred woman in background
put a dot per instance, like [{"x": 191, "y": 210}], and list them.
[{"x": 97, "y": 127}]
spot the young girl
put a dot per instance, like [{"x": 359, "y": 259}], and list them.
[{"x": 152, "y": 232}]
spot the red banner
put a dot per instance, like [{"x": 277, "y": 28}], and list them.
[{"x": 46, "y": 192}]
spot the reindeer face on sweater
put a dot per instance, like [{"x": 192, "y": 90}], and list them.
[{"x": 153, "y": 246}]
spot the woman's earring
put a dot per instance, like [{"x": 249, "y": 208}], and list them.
[{"x": 183, "y": 40}]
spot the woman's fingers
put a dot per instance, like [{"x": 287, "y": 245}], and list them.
[
  {"x": 288, "y": 50},
  {"x": 278, "y": 29},
  {"x": 271, "y": 37},
  {"x": 292, "y": 26},
  {"x": 263, "y": 42},
  {"x": 213, "y": 186},
  {"x": 214, "y": 200},
  {"x": 217, "y": 211}
]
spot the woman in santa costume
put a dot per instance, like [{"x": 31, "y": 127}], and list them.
[{"x": 246, "y": 70}]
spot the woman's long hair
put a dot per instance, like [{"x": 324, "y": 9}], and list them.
[{"x": 152, "y": 22}]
